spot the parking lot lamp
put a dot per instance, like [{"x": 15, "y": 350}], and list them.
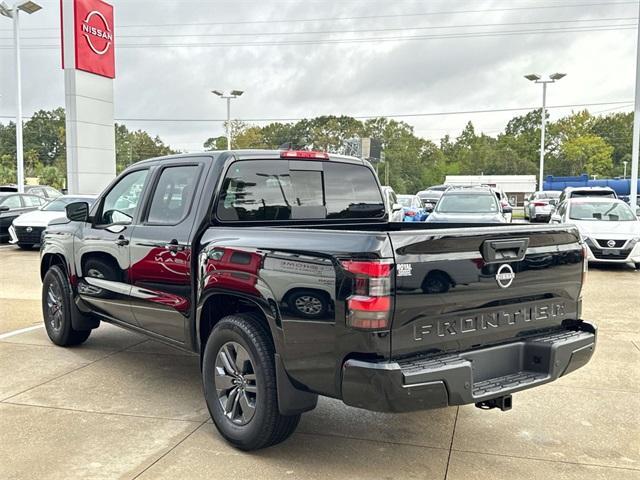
[
  {"x": 14, "y": 13},
  {"x": 228, "y": 96},
  {"x": 538, "y": 79}
]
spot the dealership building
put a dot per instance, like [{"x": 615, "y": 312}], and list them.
[{"x": 517, "y": 187}]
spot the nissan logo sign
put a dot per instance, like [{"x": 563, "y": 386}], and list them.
[
  {"x": 611, "y": 243},
  {"x": 97, "y": 35},
  {"x": 505, "y": 276}
]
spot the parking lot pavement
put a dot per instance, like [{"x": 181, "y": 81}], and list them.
[{"x": 121, "y": 406}]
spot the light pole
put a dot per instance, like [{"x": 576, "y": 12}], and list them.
[
  {"x": 538, "y": 79},
  {"x": 635, "y": 145},
  {"x": 228, "y": 96},
  {"x": 14, "y": 13}
]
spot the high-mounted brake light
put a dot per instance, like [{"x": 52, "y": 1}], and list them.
[
  {"x": 304, "y": 154},
  {"x": 370, "y": 306}
]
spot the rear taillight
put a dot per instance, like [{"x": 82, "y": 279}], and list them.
[
  {"x": 369, "y": 308},
  {"x": 410, "y": 213},
  {"x": 539, "y": 204}
]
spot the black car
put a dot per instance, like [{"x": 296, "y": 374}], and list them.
[
  {"x": 44, "y": 191},
  {"x": 14, "y": 204},
  {"x": 282, "y": 271}
]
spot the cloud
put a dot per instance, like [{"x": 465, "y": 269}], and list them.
[{"x": 426, "y": 75}]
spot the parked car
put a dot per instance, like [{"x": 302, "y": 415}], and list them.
[
  {"x": 468, "y": 205},
  {"x": 44, "y": 191},
  {"x": 281, "y": 270},
  {"x": 412, "y": 207},
  {"x": 12, "y": 205},
  {"x": 396, "y": 214},
  {"x": 539, "y": 206},
  {"x": 26, "y": 230},
  {"x": 505, "y": 205},
  {"x": 431, "y": 195},
  {"x": 572, "y": 192},
  {"x": 608, "y": 227}
]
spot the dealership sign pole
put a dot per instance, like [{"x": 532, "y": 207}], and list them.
[{"x": 88, "y": 60}]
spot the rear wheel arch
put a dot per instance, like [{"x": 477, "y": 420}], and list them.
[{"x": 217, "y": 306}]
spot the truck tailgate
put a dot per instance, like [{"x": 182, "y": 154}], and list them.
[{"x": 462, "y": 288}]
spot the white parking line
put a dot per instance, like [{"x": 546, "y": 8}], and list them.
[{"x": 18, "y": 332}]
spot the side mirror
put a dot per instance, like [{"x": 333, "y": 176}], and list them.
[
  {"x": 78, "y": 211},
  {"x": 4, "y": 208},
  {"x": 396, "y": 207},
  {"x": 553, "y": 202},
  {"x": 428, "y": 207},
  {"x": 555, "y": 218},
  {"x": 507, "y": 209}
]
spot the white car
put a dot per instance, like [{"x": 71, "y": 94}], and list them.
[
  {"x": 26, "y": 230},
  {"x": 607, "y": 225},
  {"x": 396, "y": 213}
]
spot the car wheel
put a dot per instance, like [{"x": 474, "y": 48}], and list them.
[
  {"x": 25, "y": 246},
  {"x": 308, "y": 304},
  {"x": 239, "y": 379},
  {"x": 56, "y": 309},
  {"x": 637, "y": 266}
]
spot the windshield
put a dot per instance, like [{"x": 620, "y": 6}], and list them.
[
  {"x": 405, "y": 201},
  {"x": 59, "y": 203},
  {"x": 468, "y": 203},
  {"x": 604, "y": 211}
]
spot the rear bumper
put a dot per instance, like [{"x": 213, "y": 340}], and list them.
[{"x": 468, "y": 377}]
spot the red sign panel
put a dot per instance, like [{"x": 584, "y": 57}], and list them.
[{"x": 94, "y": 37}]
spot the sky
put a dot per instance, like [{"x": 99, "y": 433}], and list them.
[{"x": 305, "y": 58}]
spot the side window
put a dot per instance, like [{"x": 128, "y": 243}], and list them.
[
  {"x": 12, "y": 202},
  {"x": 32, "y": 201},
  {"x": 173, "y": 195},
  {"x": 120, "y": 203}
]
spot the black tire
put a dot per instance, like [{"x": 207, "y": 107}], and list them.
[
  {"x": 56, "y": 310},
  {"x": 262, "y": 426},
  {"x": 308, "y": 303},
  {"x": 25, "y": 246},
  {"x": 97, "y": 268},
  {"x": 637, "y": 266}
]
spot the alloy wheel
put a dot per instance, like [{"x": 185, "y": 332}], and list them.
[
  {"x": 54, "y": 306},
  {"x": 308, "y": 305},
  {"x": 235, "y": 382}
]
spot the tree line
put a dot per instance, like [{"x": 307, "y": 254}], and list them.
[{"x": 577, "y": 143}]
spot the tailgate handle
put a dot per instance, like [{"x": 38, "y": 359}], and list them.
[{"x": 504, "y": 250}]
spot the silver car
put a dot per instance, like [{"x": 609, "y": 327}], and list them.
[
  {"x": 468, "y": 205},
  {"x": 608, "y": 226}
]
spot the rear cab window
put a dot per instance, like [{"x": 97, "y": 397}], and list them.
[{"x": 276, "y": 190}]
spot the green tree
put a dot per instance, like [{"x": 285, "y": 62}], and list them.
[
  {"x": 7, "y": 168},
  {"x": 587, "y": 153}
]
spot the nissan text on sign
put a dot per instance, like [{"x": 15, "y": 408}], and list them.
[{"x": 88, "y": 60}]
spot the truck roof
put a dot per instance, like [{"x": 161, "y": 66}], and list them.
[{"x": 248, "y": 154}]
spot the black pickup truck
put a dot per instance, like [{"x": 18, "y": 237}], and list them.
[{"x": 280, "y": 269}]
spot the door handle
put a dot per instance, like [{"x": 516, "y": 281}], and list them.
[
  {"x": 121, "y": 241},
  {"x": 174, "y": 246}
]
